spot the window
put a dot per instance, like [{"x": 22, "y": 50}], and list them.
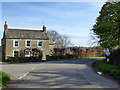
[
  {"x": 39, "y": 43},
  {"x": 16, "y": 53},
  {"x": 28, "y": 43},
  {"x": 16, "y": 43}
]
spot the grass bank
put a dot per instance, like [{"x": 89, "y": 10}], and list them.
[
  {"x": 106, "y": 68},
  {"x": 89, "y": 57},
  {"x": 4, "y": 78},
  {"x": 43, "y": 60},
  {"x": 76, "y": 58}
]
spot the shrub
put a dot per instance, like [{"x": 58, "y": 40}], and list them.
[
  {"x": 24, "y": 59},
  {"x": 5, "y": 78},
  {"x": 115, "y": 57},
  {"x": 108, "y": 68}
]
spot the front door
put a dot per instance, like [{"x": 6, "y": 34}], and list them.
[{"x": 27, "y": 53}]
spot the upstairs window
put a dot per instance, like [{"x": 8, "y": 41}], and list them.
[
  {"x": 39, "y": 43},
  {"x": 16, "y": 43},
  {"x": 28, "y": 43}
]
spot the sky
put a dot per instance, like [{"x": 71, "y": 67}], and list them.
[{"x": 74, "y": 19}]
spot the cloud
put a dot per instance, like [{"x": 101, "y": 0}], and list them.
[
  {"x": 72, "y": 19},
  {"x": 79, "y": 36},
  {"x": 68, "y": 29},
  {"x": 80, "y": 42},
  {"x": 53, "y": 0},
  {"x": 65, "y": 11}
]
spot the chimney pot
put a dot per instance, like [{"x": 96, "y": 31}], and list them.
[
  {"x": 5, "y": 26},
  {"x": 44, "y": 28}
]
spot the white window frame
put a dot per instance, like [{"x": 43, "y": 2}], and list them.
[
  {"x": 14, "y": 43},
  {"x": 26, "y": 43},
  {"x": 18, "y": 53},
  {"x": 38, "y": 43}
]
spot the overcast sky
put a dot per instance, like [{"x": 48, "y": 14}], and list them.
[{"x": 74, "y": 19}]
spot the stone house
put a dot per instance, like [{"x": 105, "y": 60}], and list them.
[{"x": 27, "y": 43}]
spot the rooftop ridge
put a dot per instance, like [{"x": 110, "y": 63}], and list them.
[{"x": 24, "y": 29}]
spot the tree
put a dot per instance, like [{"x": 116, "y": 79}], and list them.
[
  {"x": 60, "y": 41},
  {"x": 107, "y": 27}
]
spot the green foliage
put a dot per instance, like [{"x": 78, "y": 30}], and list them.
[
  {"x": 107, "y": 26},
  {"x": 107, "y": 68},
  {"x": 5, "y": 78}
]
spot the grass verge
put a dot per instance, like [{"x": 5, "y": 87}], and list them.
[
  {"x": 112, "y": 70},
  {"x": 18, "y": 61},
  {"x": 76, "y": 58},
  {"x": 4, "y": 78},
  {"x": 90, "y": 57}
]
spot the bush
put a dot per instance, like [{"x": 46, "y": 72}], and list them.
[
  {"x": 5, "y": 78},
  {"x": 110, "y": 69},
  {"x": 115, "y": 57},
  {"x": 67, "y": 56},
  {"x": 23, "y": 59}
]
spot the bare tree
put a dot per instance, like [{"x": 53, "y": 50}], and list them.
[
  {"x": 60, "y": 41},
  {"x": 93, "y": 40}
]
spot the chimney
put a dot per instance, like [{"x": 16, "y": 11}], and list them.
[
  {"x": 44, "y": 28},
  {"x": 5, "y": 26}
]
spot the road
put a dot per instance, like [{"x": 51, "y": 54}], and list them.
[{"x": 56, "y": 74}]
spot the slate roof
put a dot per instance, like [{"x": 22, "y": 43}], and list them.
[{"x": 25, "y": 34}]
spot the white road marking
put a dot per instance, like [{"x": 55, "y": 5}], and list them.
[
  {"x": 23, "y": 75},
  {"x": 33, "y": 68},
  {"x": 26, "y": 73},
  {"x": 20, "y": 77}
]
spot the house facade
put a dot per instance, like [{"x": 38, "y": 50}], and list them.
[{"x": 25, "y": 43}]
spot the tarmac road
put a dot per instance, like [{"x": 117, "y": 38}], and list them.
[{"x": 56, "y": 74}]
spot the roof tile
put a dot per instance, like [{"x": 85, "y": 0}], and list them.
[{"x": 25, "y": 34}]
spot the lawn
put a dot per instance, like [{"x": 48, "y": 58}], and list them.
[
  {"x": 109, "y": 69},
  {"x": 4, "y": 78}
]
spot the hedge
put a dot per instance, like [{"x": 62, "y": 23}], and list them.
[{"x": 4, "y": 78}]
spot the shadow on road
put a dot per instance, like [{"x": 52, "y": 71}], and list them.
[
  {"x": 63, "y": 74},
  {"x": 79, "y": 61},
  {"x": 51, "y": 79}
]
